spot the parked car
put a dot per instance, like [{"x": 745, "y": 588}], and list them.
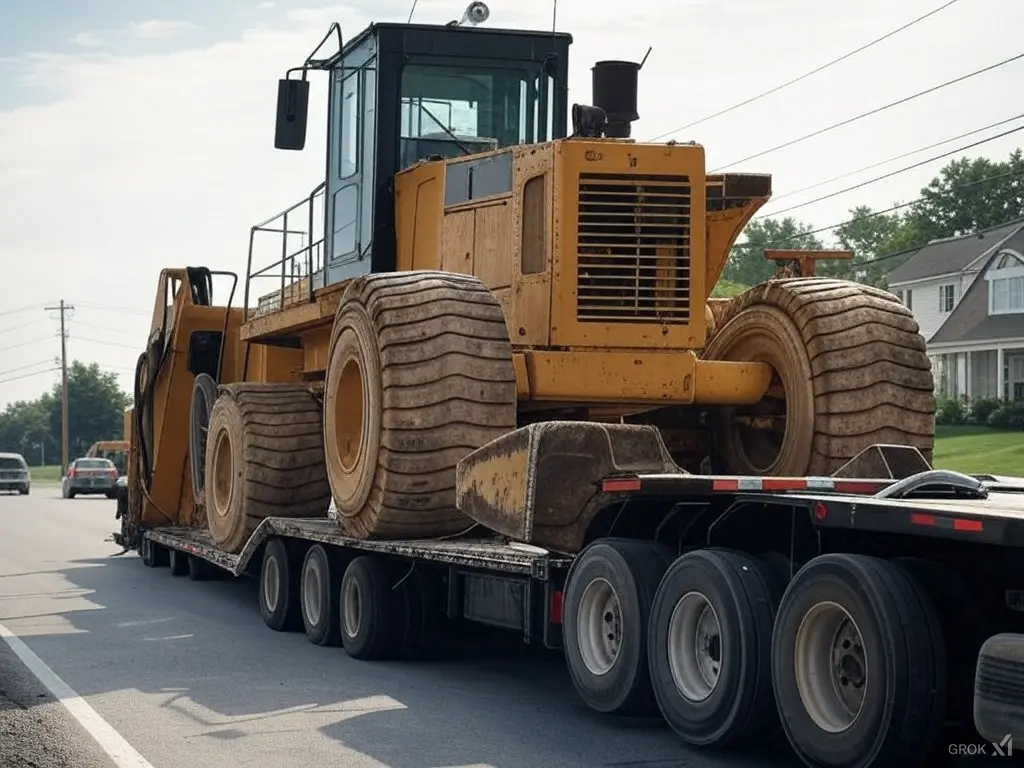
[
  {"x": 89, "y": 476},
  {"x": 14, "y": 473}
]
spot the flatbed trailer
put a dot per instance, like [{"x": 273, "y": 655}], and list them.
[{"x": 952, "y": 541}]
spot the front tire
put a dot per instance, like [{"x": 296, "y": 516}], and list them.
[{"x": 858, "y": 663}]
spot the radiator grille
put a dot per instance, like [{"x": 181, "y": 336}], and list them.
[{"x": 633, "y": 249}]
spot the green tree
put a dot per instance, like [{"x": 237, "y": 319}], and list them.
[
  {"x": 96, "y": 406},
  {"x": 747, "y": 264},
  {"x": 970, "y": 194},
  {"x": 873, "y": 238}
]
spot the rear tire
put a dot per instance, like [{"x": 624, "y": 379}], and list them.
[
  {"x": 710, "y": 648},
  {"x": 320, "y": 590},
  {"x": 178, "y": 562},
  {"x": 858, "y": 663},
  {"x": 607, "y": 602},
  {"x": 999, "y": 689},
  {"x": 23, "y": 490},
  {"x": 280, "y": 602},
  {"x": 367, "y": 610}
]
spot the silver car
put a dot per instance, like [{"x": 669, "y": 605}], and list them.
[
  {"x": 14, "y": 473},
  {"x": 90, "y": 477}
]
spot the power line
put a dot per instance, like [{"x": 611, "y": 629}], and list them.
[
  {"x": 24, "y": 343},
  {"x": 891, "y": 209},
  {"x": 108, "y": 343},
  {"x": 893, "y": 159},
  {"x": 804, "y": 76},
  {"x": 890, "y": 174},
  {"x": 14, "y": 328},
  {"x": 27, "y": 375},
  {"x": 875, "y": 111},
  {"x": 19, "y": 310},
  {"x": 23, "y": 367},
  {"x": 108, "y": 329},
  {"x": 105, "y": 308}
]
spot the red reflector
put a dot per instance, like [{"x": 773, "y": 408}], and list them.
[
  {"x": 556, "y": 607},
  {"x": 725, "y": 485},
  {"x": 783, "y": 484},
  {"x": 820, "y": 511},
  {"x": 975, "y": 526},
  {"x": 858, "y": 486},
  {"x": 621, "y": 485},
  {"x": 918, "y": 518}
]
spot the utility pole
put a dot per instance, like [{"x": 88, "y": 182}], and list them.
[{"x": 64, "y": 435}]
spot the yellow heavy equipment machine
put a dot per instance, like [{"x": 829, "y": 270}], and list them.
[{"x": 475, "y": 270}]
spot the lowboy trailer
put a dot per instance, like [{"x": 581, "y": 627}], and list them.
[{"x": 859, "y": 615}]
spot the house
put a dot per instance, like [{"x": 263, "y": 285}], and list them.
[{"x": 967, "y": 294}]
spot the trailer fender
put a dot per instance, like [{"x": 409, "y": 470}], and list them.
[{"x": 541, "y": 484}]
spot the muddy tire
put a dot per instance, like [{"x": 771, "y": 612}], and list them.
[
  {"x": 419, "y": 374},
  {"x": 264, "y": 457},
  {"x": 850, "y": 370},
  {"x": 204, "y": 395},
  {"x": 858, "y": 664}
]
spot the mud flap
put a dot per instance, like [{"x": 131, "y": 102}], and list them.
[
  {"x": 892, "y": 462},
  {"x": 541, "y": 484}
]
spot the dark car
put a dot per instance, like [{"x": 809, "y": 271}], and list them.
[
  {"x": 90, "y": 477},
  {"x": 14, "y": 473}
]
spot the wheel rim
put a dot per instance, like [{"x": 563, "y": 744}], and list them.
[
  {"x": 271, "y": 584},
  {"x": 348, "y": 414},
  {"x": 311, "y": 592},
  {"x": 694, "y": 646},
  {"x": 351, "y": 612},
  {"x": 830, "y": 663},
  {"x": 222, "y": 474},
  {"x": 599, "y": 626}
]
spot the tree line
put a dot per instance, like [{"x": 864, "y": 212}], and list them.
[
  {"x": 96, "y": 405},
  {"x": 968, "y": 194}
]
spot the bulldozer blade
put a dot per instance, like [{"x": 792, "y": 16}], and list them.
[
  {"x": 541, "y": 484},
  {"x": 892, "y": 462}
]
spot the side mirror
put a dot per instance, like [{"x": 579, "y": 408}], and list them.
[{"x": 292, "y": 111}]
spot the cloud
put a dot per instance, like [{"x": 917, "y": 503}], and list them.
[
  {"x": 166, "y": 159},
  {"x": 265, "y": 6},
  {"x": 88, "y": 40},
  {"x": 158, "y": 29}
]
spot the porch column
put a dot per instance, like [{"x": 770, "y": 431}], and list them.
[
  {"x": 1000, "y": 381},
  {"x": 967, "y": 373}
]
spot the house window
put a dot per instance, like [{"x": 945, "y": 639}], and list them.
[
  {"x": 910, "y": 299},
  {"x": 947, "y": 297},
  {"x": 1006, "y": 295}
]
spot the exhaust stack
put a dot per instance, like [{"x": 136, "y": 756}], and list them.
[{"x": 615, "y": 87}]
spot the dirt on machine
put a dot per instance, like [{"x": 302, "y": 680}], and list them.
[{"x": 515, "y": 275}]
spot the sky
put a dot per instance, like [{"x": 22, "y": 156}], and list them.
[{"x": 135, "y": 136}]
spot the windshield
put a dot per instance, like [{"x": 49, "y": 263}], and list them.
[
  {"x": 9, "y": 462},
  {"x": 94, "y": 464},
  {"x": 459, "y": 110}
]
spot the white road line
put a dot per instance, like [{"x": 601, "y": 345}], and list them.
[{"x": 110, "y": 741}]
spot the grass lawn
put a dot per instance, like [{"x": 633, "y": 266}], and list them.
[
  {"x": 978, "y": 450},
  {"x": 46, "y": 475}
]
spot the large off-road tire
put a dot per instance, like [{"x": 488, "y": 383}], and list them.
[
  {"x": 264, "y": 457},
  {"x": 850, "y": 370},
  {"x": 419, "y": 375}
]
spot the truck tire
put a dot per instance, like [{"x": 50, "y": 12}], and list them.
[
  {"x": 264, "y": 458},
  {"x": 204, "y": 395},
  {"x": 418, "y": 614},
  {"x": 367, "y": 610},
  {"x": 178, "y": 562},
  {"x": 279, "y": 588},
  {"x": 850, "y": 369},
  {"x": 607, "y": 602},
  {"x": 709, "y": 648},
  {"x": 321, "y": 590},
  {"x": 999, "y": 689},
  {"x": 419, "y": 374},
  {"x": 858, "y": 663}
]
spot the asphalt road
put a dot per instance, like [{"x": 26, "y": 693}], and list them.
[{"x": 189, "y": 675}]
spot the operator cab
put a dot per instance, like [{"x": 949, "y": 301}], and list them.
[{"x": 402, "y": 93}]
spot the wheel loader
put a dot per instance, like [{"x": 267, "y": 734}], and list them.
[{"x": 470, "y": 266}]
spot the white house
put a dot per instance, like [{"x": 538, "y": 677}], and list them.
[{"x": 967, "y": 294}]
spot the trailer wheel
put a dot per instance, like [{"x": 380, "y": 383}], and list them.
[
  {"x": 178, "y": 561},
  {"x": 999, "y": 689},
  {"x": 279, "y": 589},
  {"x": 199, "y": 570},
  {"x": 858, "y": 663},
  {"x": 418, "y": 614},
  {"x": 152, "y": 554},
  {"x": 320, "y": 591},
  {"x": 366, "y": 610},
  {"x": 709, "y": 647},
  {"x": 607, "y": 601}
]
